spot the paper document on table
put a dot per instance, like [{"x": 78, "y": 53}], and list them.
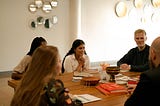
[
  {"x": 76, "y": 79},
  {"x": 85, "y": 98}
]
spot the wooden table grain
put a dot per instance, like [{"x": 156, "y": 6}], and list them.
[{"x": 78, "y": 88}]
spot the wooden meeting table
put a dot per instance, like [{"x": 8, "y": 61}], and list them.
[{"x": 79, "y": 88}]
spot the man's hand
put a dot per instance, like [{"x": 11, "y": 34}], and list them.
[{"x": 125, "y": 67}]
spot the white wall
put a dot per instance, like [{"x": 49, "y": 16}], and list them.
[
  {"x": 16, "y": 35},
  {"x": 108, "y": 36}
]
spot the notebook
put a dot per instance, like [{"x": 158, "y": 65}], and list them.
[{"x": 86, "y": 98}]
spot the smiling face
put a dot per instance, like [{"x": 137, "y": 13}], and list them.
[
  {"x": 140, "y": 39},
  {"x": 79, "y": 51}
]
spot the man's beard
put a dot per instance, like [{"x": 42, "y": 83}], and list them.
[{"x": 151, "y": 64}]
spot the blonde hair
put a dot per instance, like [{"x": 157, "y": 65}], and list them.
[
  {"x": 43, "y": 63},
  {"x": 140, "y": 31}
]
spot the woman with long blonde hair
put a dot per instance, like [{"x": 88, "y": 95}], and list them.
[{"x": 38, "y": 87}]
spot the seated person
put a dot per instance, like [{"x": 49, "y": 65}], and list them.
[
  {"x": 148, "y": 87},
  {"x": 76, "y": 59},
  {"x": 22, "y": 66},
  {"x": 38, "y": 87},
  {"x": 137, "y": 58}
]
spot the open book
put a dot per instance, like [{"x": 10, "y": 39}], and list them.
[{"x": 85, "y": 98}]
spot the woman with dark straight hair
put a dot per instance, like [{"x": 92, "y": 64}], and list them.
[
  {"x": 76, "y": 59},
  {"x": 23, "y": 64}
]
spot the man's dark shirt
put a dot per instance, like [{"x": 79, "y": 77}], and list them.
[
  {"x": 137, "y": 59},
  {"x": 147, "y": 91}
]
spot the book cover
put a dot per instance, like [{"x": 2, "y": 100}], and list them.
[
  {"x": 108, "y": 88},
  {"x": 103, "y": 90}
]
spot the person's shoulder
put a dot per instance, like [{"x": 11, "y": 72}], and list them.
[
  {"x": 70, "y": 56},
  {"x": 147, "y": 46},
  {"x": 54, "y": 90},
  {"x": 27, "y": 57},
  {"x": 133, "y": 49},
  {"x": 86, "y": 56},
  {"x": 153, "y": 70},
  {"x": 153, "y": 73},
  {"x": 55, "y": 82}
]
